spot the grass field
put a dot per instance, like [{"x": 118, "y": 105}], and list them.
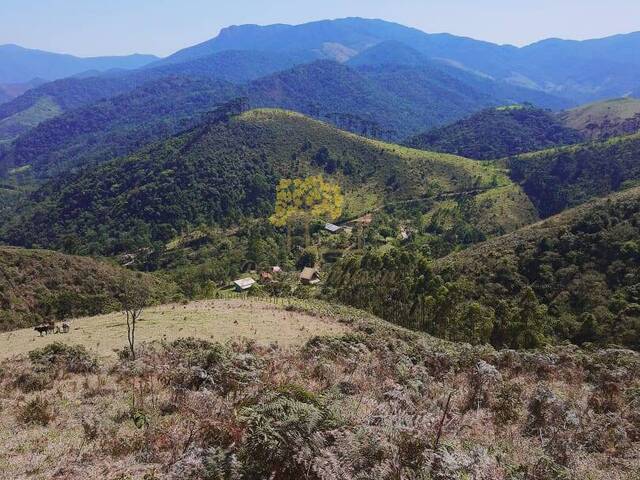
[{"x": 215, "y": 320}]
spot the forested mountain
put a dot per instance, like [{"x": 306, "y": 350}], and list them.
[
  {"x": 564, "y": 177},
  {"x": 573, "y": 277},
  {"x": 52, "y": 99},
  {"x": 602, "y": 120},
  {"x": 115, "y": 126},
  {"x": 388, "y": 102},
  {"x": 19, "y": 64},
  {"x": 552, "y": 74},
  {"x": 497, "y": 133},
  {"x": 576, "y": 70},
  {"x": 39, "y": 284},
  {"x": 223, "y": 171}
]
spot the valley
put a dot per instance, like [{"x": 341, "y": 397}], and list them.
[{"x": 343, "y": 249}]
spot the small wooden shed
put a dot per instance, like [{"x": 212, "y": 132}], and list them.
[{"x": 309, "y": 276}]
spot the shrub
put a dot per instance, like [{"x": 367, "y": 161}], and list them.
[
  {"x": 507, "y": 404},
  {"x": 36, "y": 411},
  {"x": 32, "y": 381},
  {"x": 73, "y": 359}
]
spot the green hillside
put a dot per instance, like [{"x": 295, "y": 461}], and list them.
[
  {"x": 602, "y": 120},
  {"x": 113, "y": 127},
  {"x": 572, "y": 277},
  {"x": 564, "y": 177},
  {"x": 497, "y": 133},
  {"x": 227, "y": 170},
  {"x": 40, "y": 284}
]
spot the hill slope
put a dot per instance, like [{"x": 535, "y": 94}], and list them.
[
  {"x": 114, "y": 126},
  {"x": 68, "y": 94},
  {"x": 39, "y": 284},
  {"x": 497, "y": 133},
  {"x": 564, "y": 177},
  {"x": 601, "y": 120},
  {"x": 386, "y": 102},
  {"x": 582, "y": 265},
  {"x": 19, "y": 64},
  {"x": 572, "y": 277},
  {"x": 226, "y": 170}
]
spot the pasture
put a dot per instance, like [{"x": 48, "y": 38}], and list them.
[{"x": 214, "y": 320}]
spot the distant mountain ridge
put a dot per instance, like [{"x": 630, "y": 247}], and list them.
[
  {"x": 577, "y": 70},
  {"x": 18, "y": 64}
]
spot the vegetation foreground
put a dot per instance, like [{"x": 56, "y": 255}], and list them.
[{"x": 375, "y": 402}]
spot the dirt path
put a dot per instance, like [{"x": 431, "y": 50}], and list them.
[{"x": 216, "y": 320}]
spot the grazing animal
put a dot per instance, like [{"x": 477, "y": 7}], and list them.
[
  {"x": 44, "y": 329},
  {"x": 65, "y": 327}
]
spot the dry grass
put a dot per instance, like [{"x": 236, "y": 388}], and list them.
[
  {"x": 215, "y": 320},
  {"x": 366, "y": 404}
]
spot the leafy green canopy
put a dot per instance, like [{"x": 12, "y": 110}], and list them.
[
  {"x": 497, "y": 133},
  {"x": 565, "y": 177}
]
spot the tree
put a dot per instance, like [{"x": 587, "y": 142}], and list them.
[
  {"x": 134, "y": 296},
  {"x": 306, "y": 199}
]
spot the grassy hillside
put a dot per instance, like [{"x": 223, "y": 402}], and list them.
[
  {"x": 497, "y": 133},
  {"x": 226, "y": 170},
  {"x": 602, "y": 120},
  {"x": 41, "y": 284},
  {"x": 363, "y": 403},
  {"x": 564, "y": 177},
  {"x": 43, "y": 109}
]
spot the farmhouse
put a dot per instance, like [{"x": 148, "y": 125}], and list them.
[
  {"x": 309, "y": 276},
  {"x": 244, "y": 284}
]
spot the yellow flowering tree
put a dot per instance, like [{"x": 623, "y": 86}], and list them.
[{"x": 306, "y": 199}]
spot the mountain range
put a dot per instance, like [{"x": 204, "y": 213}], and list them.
[
  {"x": 19, "y": 65},
  {"x": 456, "y": 75}
]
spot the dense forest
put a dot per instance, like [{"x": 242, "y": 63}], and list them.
[
  {"x": 574, "y": 277},
  {"x": 223, "y": 172},
  {"x": 116, "y": 126},
  {"x": 498, "y": 132},
  {"x": 561, "y": 178}
]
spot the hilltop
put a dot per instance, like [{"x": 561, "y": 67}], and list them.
[
  {"x": 41, "y": 284},
  {"x": 602, "y": 120},
  {"x": 498, "y": 132},
  {"x": 225, "y": 170}
]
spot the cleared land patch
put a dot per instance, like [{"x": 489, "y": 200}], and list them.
[{"x": 214, "y": 320}]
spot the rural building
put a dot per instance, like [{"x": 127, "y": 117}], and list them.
[
  {"x": 276, "y": 269},
  {"x": 332, "y": 228},
  {"x": 309, "y": 276},
  {"x": 244, "y": 284},
  {"x": 266, "y": 277}
]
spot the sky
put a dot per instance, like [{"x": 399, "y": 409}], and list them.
[{"x": 161, "y": 27}]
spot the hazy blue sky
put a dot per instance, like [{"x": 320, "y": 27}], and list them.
[{"x": 101, "y": 27}]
